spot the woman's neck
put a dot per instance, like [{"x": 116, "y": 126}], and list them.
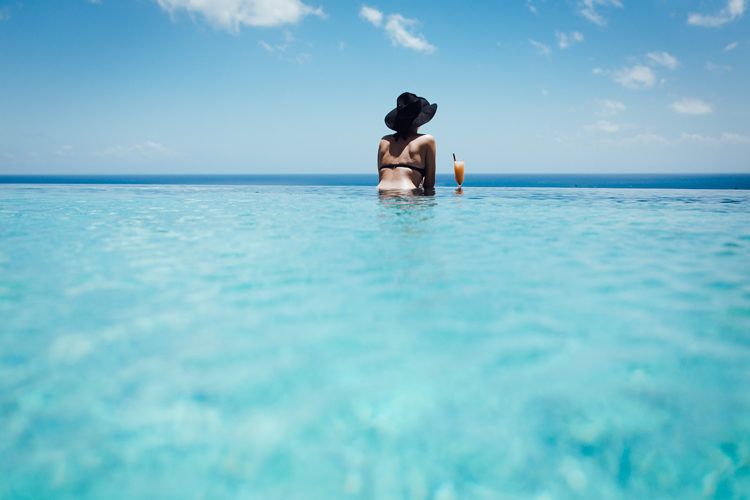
[{"x": 407, "y": 135}]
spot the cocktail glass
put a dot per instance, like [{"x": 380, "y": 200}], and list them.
[{"x": 458, "y": 169}]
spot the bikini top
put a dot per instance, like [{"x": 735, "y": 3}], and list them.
[{"x": 396, "y": 165}]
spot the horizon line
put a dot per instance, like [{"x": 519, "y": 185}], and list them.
[{"x": 373, "y": 174}]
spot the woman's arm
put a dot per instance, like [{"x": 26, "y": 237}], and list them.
[
  {"x": 429, "y": 165},
  {"x": 382, "y": 148}
]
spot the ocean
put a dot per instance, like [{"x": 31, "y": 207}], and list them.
[
  {"x": 650, "y": 181},
  {"x": 252, "y": 338}
]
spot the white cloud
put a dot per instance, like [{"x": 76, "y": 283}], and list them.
[
  {"x": 642, "y": 139},
  {"x": 606, "y": 126},
  {"x": 148, "y": 149},
  {"x": 610, "y": 108},
  {"x": 564, "y": 40},
  {"x": 597, "y": 71},
  {"x": 531, "y": 6},
  {"x": 65, "y": 150},
  {"x": 399, "y": 29},
  {"x": 266, "y": 46},
  {"x": 371, "y": 15},
  {"x": 588, "y": 9},
  {"x": 663, "y": 59},
  {"x": 543, "y": 49},
  {"x": 690, "y": 106},
  {"x": 280, "y": 47},
  {"x": 711, "y": 66},
  {"x": 285, "y": 49},
  {"x": 635, "y": 77},
  {"x": 731, "y": 46},
  {"x": 233, "y": 14},
  {"x": 725, "y": 138},
  {"x": 733, "y": 10},
  {"x": 4, "y": 13},
  {"x": 696, "y": 138},
  {"x": 736, "y": 7},
  {"x": 731, "y": 138}
]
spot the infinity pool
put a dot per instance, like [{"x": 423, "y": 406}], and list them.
[{"x": 326, "y": 342}]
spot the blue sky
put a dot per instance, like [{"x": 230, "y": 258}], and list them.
[{"x": 302, "y": 86}]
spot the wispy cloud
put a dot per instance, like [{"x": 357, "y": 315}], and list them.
[
  {"x": 733, "y": 10},
  {"x": 609, "y": 107},
  {"x": 400, "y": 30},
  {"x": 4, "y": 13},
  {"x": 651, "y": 139},
  {"x": 643, "y": 139},
  {"x": 279, "y": 47},
  {"x": 604, "y": 126},
  {"x": 233, "y": 14},
  {"x": 531, "y": 6},
  {"x": 731, "y": 46},
  {"x": 711, "y": 66},
  {"x": 64, "y": 151},
  {"x": 640, "y": 76},
  {"x": 635, "y": 77},
  {"x": 286, "y": 50},
  {"x": 266, "y": 46},
  {"x": 543, "y": 49},
  {"x": 725, "y": 138},
  {"x": 663, "y": 59},
  {"x": 148, "y": 149},
  {"x": 565, "y": 40},
  {"x": 371, "y": 15},
  {"x": 588, "y": 9},
  {"x": 690, "y": 106}
]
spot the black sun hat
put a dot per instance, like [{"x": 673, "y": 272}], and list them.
[{"x": 410, "y": 112}]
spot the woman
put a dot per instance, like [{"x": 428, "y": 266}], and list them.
[{"x": 406, "y": 159}]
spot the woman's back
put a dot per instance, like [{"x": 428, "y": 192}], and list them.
[{"x": 406, "y": 162}]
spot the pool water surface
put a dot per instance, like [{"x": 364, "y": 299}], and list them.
[{"x": 326, "y": 342}]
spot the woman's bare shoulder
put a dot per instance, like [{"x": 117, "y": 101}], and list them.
[{"x": 427, "y": 138}]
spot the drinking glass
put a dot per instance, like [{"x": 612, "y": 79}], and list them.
[{"x": 458, "y": 169}]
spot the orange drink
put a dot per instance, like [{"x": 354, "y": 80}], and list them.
[{"x": 458, "y": 169}]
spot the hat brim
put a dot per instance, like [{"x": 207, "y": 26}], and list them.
[{"x": 423, "y": 117}]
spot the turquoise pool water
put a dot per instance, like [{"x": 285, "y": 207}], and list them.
[{"x": 325, "y": 342}]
